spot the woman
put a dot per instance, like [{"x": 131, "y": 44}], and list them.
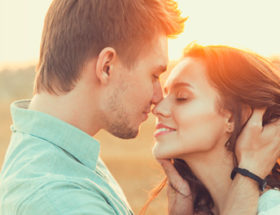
[{"x": 210, "y": 95}]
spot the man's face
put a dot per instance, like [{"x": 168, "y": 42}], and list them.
[{"x": 136, "y": 89}]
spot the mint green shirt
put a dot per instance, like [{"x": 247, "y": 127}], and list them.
[
  {"x": 53, "y": 168},
  {"x": 269, "y": 203}
]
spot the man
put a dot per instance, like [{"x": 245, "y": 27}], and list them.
[{"x": 98, "y": 69}]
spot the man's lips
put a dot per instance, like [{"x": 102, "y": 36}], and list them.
[
  {"x": 146, "y": 113},
  {"x": 147, "y": 110},
  {"x": 162, "y": 129}
]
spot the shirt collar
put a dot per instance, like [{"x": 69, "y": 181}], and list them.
[{"x": 73, "y": 140}]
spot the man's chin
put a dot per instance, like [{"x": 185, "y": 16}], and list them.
[{"x": 126, "y": 134}]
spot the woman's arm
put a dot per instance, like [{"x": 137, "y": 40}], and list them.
[{"x": 257, "y": 150}]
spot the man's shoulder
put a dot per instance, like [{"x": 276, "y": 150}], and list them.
[
  {"x": 39, "y": 177},
  {"x": 53, "y": 182},
  {"x": 59, "y": 196},
  {"x": 27, "y": 154}
]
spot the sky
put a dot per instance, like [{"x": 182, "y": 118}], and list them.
[{"x": 250, "y": 24}]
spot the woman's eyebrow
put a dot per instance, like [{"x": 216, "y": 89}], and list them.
[{"x": 176, "y": 85}]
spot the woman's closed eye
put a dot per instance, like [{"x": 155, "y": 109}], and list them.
[{"x": 181, "y": 96}]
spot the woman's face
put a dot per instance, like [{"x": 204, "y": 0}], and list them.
[{"x": 188, "y": 118}]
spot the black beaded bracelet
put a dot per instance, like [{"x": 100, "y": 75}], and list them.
[{"x": 262, "y": 182}]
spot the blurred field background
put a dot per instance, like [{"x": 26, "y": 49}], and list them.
[
  {"x": 130, "y": 161},
  {"x": 236, "y": 22}
]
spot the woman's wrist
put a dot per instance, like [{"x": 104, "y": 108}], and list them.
[
  {"x": 262, "y": 183},
  {"x": 253, "y": 167}
]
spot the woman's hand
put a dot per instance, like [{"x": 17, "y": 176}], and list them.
[
  {"x": 179, "y": 195},
  {"x": 257, "y": 150},
  {"x": 258, "y": 147}
]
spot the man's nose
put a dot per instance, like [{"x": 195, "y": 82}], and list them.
[{"x": 157, "y": 94}]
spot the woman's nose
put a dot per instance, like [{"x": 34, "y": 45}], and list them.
[{"x": 162, "y": 108}]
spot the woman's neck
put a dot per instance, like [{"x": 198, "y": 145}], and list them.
[{"x": 213, "y": 169}]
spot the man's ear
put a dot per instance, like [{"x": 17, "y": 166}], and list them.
[{"x": 104, "y": 64}]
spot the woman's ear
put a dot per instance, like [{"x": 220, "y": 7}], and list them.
[
  {"x": 104, "y": 64},
  {"x": 230, "y": 125},
  {"x": 229, "y": 120},
  {"x": 245, "y": 116}
]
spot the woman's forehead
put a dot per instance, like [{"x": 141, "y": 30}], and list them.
[{"x": 187, "y": 69}]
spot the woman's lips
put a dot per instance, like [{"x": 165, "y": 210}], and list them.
[{"x": 162, "y": 129}]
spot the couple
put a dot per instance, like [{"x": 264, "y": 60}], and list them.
[{"x": 99, "y": 68}]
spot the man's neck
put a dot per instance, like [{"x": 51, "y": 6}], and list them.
[
  {"x": 213, "y": 169},
  {"x": 69, "y": 108}
]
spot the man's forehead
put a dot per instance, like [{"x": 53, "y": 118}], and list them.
[
  {"x": 155, "y": 54},
  {"x": 159, "y": 47}
]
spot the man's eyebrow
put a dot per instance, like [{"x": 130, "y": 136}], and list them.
[
  {"x": 176, "y": 85},
  {"x": 161, "y": 68}
]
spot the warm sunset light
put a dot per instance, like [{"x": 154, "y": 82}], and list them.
[
  {"x": 82, "y": 134},
  {"x": 252, "y": 24}
]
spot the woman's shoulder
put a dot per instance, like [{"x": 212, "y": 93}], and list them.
[{"x": 269, "y": 203}]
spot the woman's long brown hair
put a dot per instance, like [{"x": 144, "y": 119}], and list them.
[{"x": 241, "y": 78}]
